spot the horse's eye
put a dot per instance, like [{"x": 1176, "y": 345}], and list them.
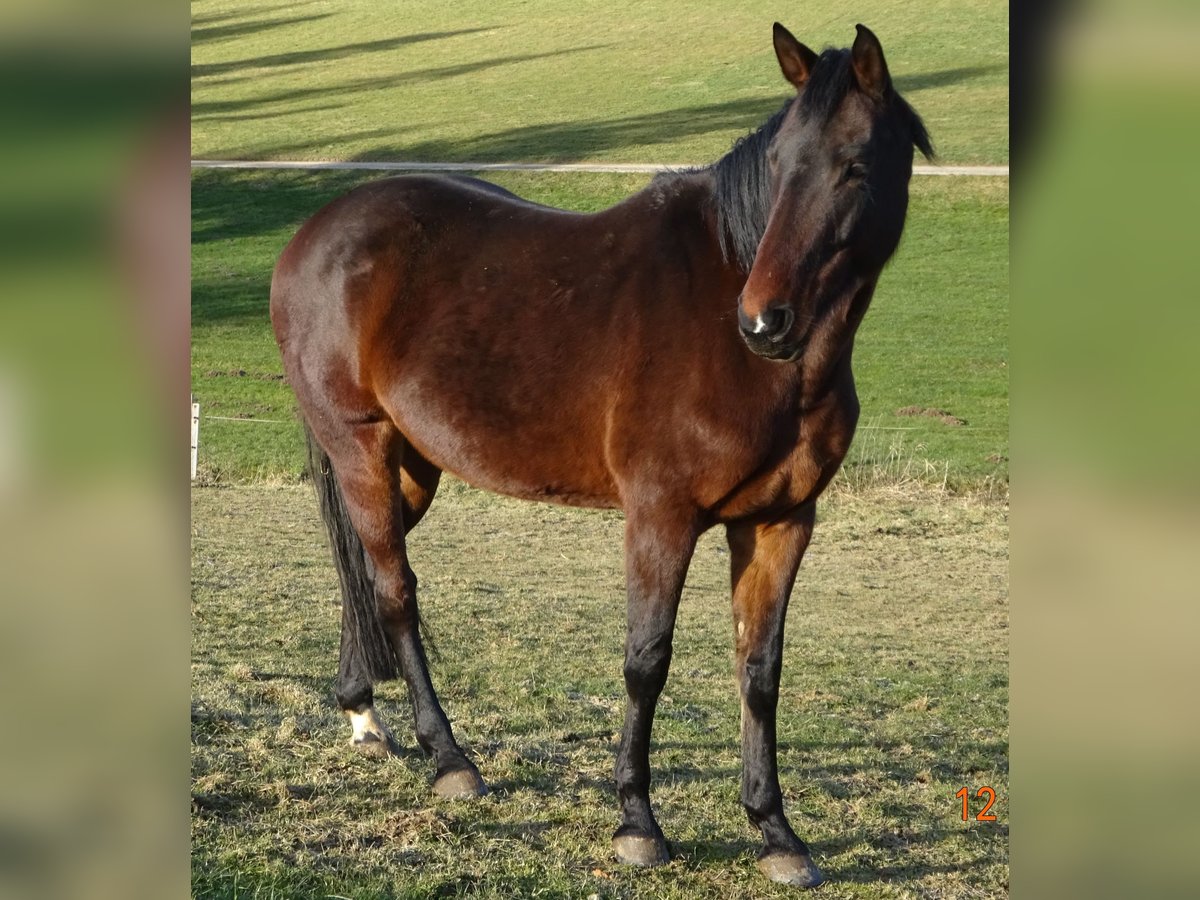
[{"x": 855, "y": 171}]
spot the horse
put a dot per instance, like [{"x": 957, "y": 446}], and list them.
[{"x": 684, "y": 356}]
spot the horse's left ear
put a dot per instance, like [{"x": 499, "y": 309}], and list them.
[
  {"x": 870, "y": 68},
  {"x": 795, "y": 60}
]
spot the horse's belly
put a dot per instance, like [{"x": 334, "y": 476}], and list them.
[
  {"x": 534, "y": 480},
  {"x": 553, "y": 459}
]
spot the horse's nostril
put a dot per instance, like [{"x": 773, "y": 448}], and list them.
[
  {"x": 779, "y": 324},
  {"x": 773, "y": 324}
]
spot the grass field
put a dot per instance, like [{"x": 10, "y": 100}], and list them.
[
  {"x": 894, "y": 696},
  {"x": 936, "y": 338},
  {"x": 563, "y": 80}
]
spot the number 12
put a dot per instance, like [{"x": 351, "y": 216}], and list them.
[{"x": 982, "y": 815}]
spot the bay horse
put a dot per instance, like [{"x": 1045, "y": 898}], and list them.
[{"x": 684, "y": 356}]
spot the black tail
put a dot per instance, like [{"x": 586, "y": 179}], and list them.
[{"x": 354, "y": 570}]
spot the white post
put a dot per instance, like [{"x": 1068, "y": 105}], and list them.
[{"x": 195, "y": 435}]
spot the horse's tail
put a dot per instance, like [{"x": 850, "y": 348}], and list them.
[{"x": 359, "y": 612}]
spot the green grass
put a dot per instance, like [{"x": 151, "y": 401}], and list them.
[
  {"x": 563, "y": 80},
  {"x": 936, "y": 337},
  {"x": 894, "y": 696}
]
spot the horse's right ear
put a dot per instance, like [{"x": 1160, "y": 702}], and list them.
[{"x": 795, "y": 59}]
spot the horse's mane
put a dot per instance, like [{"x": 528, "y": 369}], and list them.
[{"x": 742, "y": 193}]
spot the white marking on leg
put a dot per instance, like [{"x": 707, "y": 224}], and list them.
[
  {"x": 366, "y": 723},
  {"x": 741, "y": 628}
]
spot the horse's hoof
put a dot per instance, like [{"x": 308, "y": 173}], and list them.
[
  {"x": 460, "y": 784},
  {"x": 795, "y": 869},
  {"x": 639, "y": 850},
  {"x": 371, "y": 737},
  {"x": 375, "y": 747}
]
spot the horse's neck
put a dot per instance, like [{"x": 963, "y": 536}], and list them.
[{"x": 825, "y": 368}]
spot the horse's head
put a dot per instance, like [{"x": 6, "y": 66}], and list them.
[{"x": 839, "y": 167}]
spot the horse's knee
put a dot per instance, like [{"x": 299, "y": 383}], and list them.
[
  {"x": 760, "y": 685},
  {"x": 646, "y": 664}
]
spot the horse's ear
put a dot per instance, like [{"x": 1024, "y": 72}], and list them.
[
  {"x": 795, "y": 59},
  {"x": 869, "y": 66}
]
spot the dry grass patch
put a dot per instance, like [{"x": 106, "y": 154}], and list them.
[{"x": 894, "y": 696}]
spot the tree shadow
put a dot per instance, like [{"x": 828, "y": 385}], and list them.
[
  {"x": 580, "y": 140},
  {"x": 203, "y": 109},
  {"x": 546, "y": 142},
  {"x": 233, "y": 205},
  {"x": 237, "y": 29},
  {"x": 923, "y": 81},
  {"x": 325, "y": 54},
  {"x": 277, "y": 114},
  {"x": 218, "y": 17}
]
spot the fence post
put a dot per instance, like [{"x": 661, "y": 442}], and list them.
[{"x": 195, "y": 434}]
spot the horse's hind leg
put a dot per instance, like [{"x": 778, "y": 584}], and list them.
[
  {"x": 355, "y": 696},
  {"x": 354, "y": 690},
  {"x": 379, "y": 486}
]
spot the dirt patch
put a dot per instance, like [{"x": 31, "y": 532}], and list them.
[{"x": 946, "y": 418}]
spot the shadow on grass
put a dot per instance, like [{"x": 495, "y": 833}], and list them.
[
  {"x": 896, "y": 851},
  {"x": 215, "y": 32},
  {"x": 898, "y": 854},
  {"x": 229, "y": 205},
  {"x": 220, "y": 17},
  {"x": 325, "y": 54},
  {"x": 230, "y": 300},
  {"x": 580, "y": 140},
  {"x": 202, "y": 110},
  {"x": 549, "y": 771},
  {"x": 575, "y": 141},
  {"x": 258, "y": 116},
  {"x": 890, "y": 848},
  {"x": 541, "y": 142},
  {"x": 925, "y": 80}
]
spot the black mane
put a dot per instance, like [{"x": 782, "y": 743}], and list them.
[{"x": 742, "y": 192}]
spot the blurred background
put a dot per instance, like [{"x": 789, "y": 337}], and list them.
[
  {"x": 1104, "y": 377},
  {"x": 93, "y": 484},
  {"x": 93, "y": 432}
]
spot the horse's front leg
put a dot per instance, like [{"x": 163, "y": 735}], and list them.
[
  {"x": 658, "y": 547},
  {"x": 764, "y": 559}
]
